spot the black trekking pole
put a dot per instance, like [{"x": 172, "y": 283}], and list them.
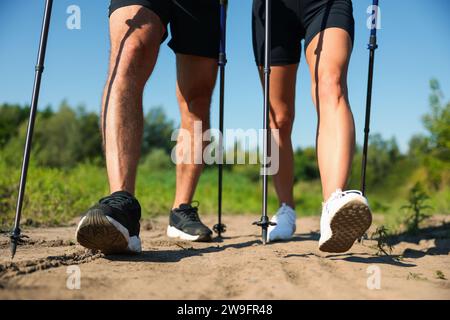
[
  {"x": 15, "y": 235},
  {"x": 372, "y": 47},
  {"x": 264, "y": 223},
  {"x": 220, "y": 228}
]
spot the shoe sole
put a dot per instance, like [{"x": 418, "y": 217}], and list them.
[
  {"x": 173, "y": 232},
  {"x": 95, "y": 231},
  {"x": 348, "y": 224}
]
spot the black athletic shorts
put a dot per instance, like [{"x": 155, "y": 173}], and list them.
[
  {"x": 194, "y": 24},
  {"x": 294, "y": 20}
]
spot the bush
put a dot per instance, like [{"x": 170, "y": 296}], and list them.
[
  {"x": 417, "y": 206},
  {"x": 67, "y": 172},
  {"x": 157, "y": 159},
  {"x": 157, "y": 131},
  {"x": 11, "y": 117},
  {"x": 60, "y": 140},
  {"x": 305, "y": 165}
]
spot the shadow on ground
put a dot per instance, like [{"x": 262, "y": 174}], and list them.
[
  {"x": 440, "y": 234},
  {"x": 168, "y": 256}
]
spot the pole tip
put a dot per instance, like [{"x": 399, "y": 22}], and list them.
[
  {"x": 15, "y": 238},
  {"x": 220, "y": 228},
  {"x": 13, "y": 248}
]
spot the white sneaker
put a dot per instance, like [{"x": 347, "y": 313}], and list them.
[
  {"x": 285, "y": 224},
  {"x": 345, "y": 218}
]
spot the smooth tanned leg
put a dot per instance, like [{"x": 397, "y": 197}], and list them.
[
  {"x": 328, "y": 57},
  {"x": 282, "y": 113}
]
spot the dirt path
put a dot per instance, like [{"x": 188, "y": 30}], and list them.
[{"x": 237, "y": 268}]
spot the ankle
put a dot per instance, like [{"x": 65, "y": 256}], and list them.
[
  {"x": 327, "y": 196},
  {"x": 177, "y": 204},
  {"x": 290, "y": 204},
  {"x": 129, "y": 191}
]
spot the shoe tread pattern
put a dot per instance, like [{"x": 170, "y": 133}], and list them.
[
  {"x": 97, "y": 233},
  {"x": 348, "y": 224}
]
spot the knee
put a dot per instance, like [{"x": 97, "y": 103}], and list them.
[
  {"x": 195, "y": 103},
  {"x": 132, "y": 59},
  {"x": 283, "y": 122},
  {"x": 331, "y": 89}
]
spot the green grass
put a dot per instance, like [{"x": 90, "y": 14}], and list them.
[{"x": 55, "y": 196}]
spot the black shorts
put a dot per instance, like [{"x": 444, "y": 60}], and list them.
[
  {"x": 294, "y": 20},
  {"x": 194, "y": 24}
]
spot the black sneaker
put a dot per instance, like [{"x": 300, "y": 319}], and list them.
[
  {"x": 184, "y": 223},
  {"x": 112, "y": 225}
]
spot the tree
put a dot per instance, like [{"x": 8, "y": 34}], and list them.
[
  {"x": 157, "y": 131},
  {"x": 418, "y": 146},
  {"x": 305, "y": 164},
  {"x": 385, "y": 164},
  {"x": 435, "y": 147},
  {"x": 90, "y": 135},
  {"x": 11, "y": 116},
  {"x": 57, "y": 140},
  {"x": 60, "y": 139},
  {"x": 437, "y": 122}
]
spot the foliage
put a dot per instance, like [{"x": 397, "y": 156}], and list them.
[
  {"x": 157, "y": 159},
  {"x": 67, "y": 172},
  {"x": 157, "y": 131},
  {"x": 383, "y": 157},
  {"x": 305, "y": 165},
  {"x": 440, "y": 275},
  {"x": 61, "y": 139},
  {"x": 415, "y": 276},
  {"x": 434, "y": 149},
  {"x": 11, "y": 116},
  {"x": 417, "y": 205},
  {"x": 381, "y": 235},
  {"x": 53, "y": 195},
  {"x": 244, "y": 162},
  {"x": 437, "y": 122},
  {"x": 70, "y": 136}
]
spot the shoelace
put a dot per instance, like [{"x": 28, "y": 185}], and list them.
[
  {"x": 191, "y": 212},
  {"x": 285, "y": 210},
  {"x": 117, "y": 201}
]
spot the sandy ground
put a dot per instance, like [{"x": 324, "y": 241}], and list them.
[{"x": 238, "y": 267}]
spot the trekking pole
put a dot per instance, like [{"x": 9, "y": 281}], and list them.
[
  {"x": 15, "y": 235},
  {"x": 220, "y": 228},
  {"x": 264, "y": 223},
  {"x": 372, "y": 46}
]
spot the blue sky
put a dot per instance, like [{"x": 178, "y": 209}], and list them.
[{"x": 414, "y": 46}]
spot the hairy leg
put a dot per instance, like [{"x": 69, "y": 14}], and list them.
[
  {"x": 328, "y": 57},
  {"x": 135, "y": 34},
  {"x": 196, "y": 78}
]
